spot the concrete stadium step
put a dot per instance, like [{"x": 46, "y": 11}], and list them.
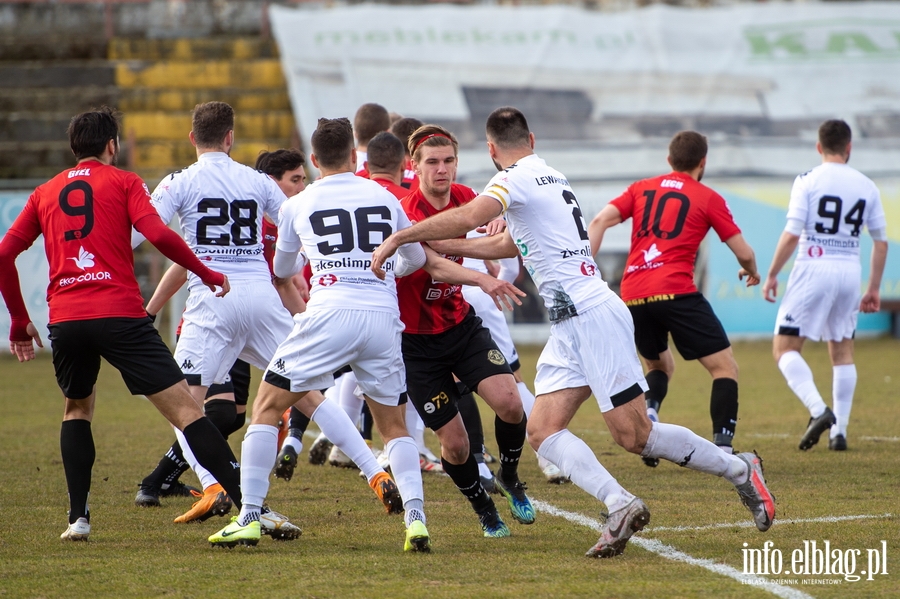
[
  {"x": 168, "y": 156},
  {"x": 34, "y": 126},
  {"x": 57, "y": 99},
  {"x": 222, "y": 48},
  {"x": 34, "y": 160},
  {"x": 30, "y": 47},
  {"x": 176, "y": 126},
  {"x": 47, "y": 74},
  {"x": 248, "y": 74},
  {"x": 178, "y": 100}
]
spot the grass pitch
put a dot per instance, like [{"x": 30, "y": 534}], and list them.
[{"x": 350, "y": 548}]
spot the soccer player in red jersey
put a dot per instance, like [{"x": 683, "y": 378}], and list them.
[
  {"x": 444, "y": 337},
  {"x": 370, "y": 120},
  {"x": 403, "y": 129},
  {"x": 671, "y": 214},
  {"x": 86, "y": 215}
]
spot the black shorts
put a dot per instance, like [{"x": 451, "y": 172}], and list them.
[
  {"x": 131, "y": 345},
  {"x": 467, "y": 350},
  {"x": 238, "y": 383},
  {"x": 696, "y": 330}
]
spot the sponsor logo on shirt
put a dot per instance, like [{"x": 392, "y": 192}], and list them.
[
  {"x": 568, "y": 253},
  {"x": 815, "y": 251},
  {"x": 84, "y": 260},
  {"x": 436, "y": 293},
  {"x": 327, "y": 280},
  {"x": 318, "y": 265},
  {"x": 523, "y": 248},
  {"x": 588, "y": 269},
  {"x": 651, "y": 254},
  {"x": 673, "y": 183}
]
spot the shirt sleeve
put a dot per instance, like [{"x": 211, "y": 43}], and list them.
[
  {"x": 876, "y": 220},
  {"x": 137, "y": 198},
  {"x": 288, "y": 240},
  {"x": 721, "y": 219},
  {"x": 164, "y": 201},
  {"x": 500, "y": 188},
  {"x": 798, "y": 207},
  {"x": 275, "y": 198},
  {"x": 625, "y": 203},
  {"x": 27, "y": 225}
]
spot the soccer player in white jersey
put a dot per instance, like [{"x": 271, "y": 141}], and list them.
[
  {"x": 829, "y": 207},
  {"x": 221, "y": 204},
  {"x": 352, "y": 318},
  {"x": 591, "y": 345}
]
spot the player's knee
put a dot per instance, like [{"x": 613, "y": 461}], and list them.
[
  {"x": 455, "y": 451},
  {"x": 632, "y": 440}
]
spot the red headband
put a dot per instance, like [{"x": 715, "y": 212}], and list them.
[{"x": 427, "y": 137}]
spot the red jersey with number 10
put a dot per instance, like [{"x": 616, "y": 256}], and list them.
[
  {"x": 428, "y": 307},
  {"x": 86, "y": 214},
  {"x": 671, "y": 214}
]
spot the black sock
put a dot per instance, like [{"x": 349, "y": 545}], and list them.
[
  {"x": 222, "y": 413},
  {"x": 76, "y": 443},
  {"x": 510, "y": 441},
  {"x": 465, "y": 477},
  {"x": 170, "y": 467},
  {"x": 214, "y": 454},
  {"x": 468, "y": 409},
  {"x": 366, "y": 422},
  {"x": 658, "y": 384},
  {"x": 298, "y": 423},
  {"x": 723, "y": 409}
]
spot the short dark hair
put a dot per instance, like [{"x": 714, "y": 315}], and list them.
[
  {"x": 385, "y": 153},
  {"x": 404, "y": 128},
  {"x": 89, "y": 132},
  {"x": 507, "y": 127},
  {"x": 834, "y": 136},
  {"x": 332, "y": 142},
  {"x": 211, "y": 122},
  {"x": 370, "y": 120},
  {"x": 279, "y": 162},
  {"x": 686, "y": 150},
  {"x": 430, "y": 136}
]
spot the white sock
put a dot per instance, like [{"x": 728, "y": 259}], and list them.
[
  {"x": 347, "y": 398},
  {"x": 404, "y": 459},
  {"x": 686, "y": 448},
  {"x": 800, "y": 379},
  {"x": 843, "y": 386},
  {"x": 527, "y": 398},
  {"x": 206, "y": 478},
  {"x": 336, "y": 425},
  {"x": 576, "y": 460},
  {"x": 415, "y": 426},
  {"x": 258, "y": 453},
  {"x": 294, "y": 442}
]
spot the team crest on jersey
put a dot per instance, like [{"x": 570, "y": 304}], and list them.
[
  {"x": 327, "y": 280},
  {"x": 495, "y": 357},
  {"x": 815, "y": 251}
]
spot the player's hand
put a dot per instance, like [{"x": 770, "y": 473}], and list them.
[
  {"x": 752, "y": 277},
  {"x": 24, "y": 350},
  {"x": 381, "y": 254},
  {"x": 226, "y": 287},
  {"x": 503, "y": 293},
  {"x": 770, "y": 289},
  {"x": 498, "y": 225},
  {"x": 871, "y": 302}
]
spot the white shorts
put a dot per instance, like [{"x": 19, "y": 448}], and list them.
[
  {"x": 494, "y": 320},
  {"x": 821, "y": 301},
  {"x": 248, "y": 323},
  {"x": 596, "y": 349},
  {"x": 324, "y": 340}
]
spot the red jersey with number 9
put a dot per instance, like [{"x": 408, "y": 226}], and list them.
[
  {"x": 671, "y": 214},
  {"x": 428, "y": 307},
  {"x": 86, "y": 214}
]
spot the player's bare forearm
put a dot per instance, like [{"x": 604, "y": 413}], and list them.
[
  {"x": 876, "y": 264},
  {"x": 479, "y": 248},
  {"x": 290, "y": 295},
  {"x": 606, "y": 218},
  {"x": 787, "y": 243},
  {"x": 450, "y": 272},
  {"x": 745, "y": 257},
  {"x": 169, "y": 284}
]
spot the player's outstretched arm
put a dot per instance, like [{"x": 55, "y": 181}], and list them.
[
  {"x": 745, "y": 257},
  {"x": 175, "y": 249},
  {"x": 286, "y": 264},
  {"x": 786, "y": 246},
  {"x": 169, "y": 284},
  {"x": 495, "y": 247},
  {"x": 289, "y": 294},
  {"x": 22, "y": 333},
  {"x": 441, "y": 269},
  {"x": 606, "y": 218},
  {"x": 452, "y": 223},
  {"x": 871, "y": 300}
]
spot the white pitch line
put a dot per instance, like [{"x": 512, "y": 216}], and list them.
[
  {"x": 748, "y": 524},
  {"x": 668, "y": 552},
  {"x": 889, "y": 439}
]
